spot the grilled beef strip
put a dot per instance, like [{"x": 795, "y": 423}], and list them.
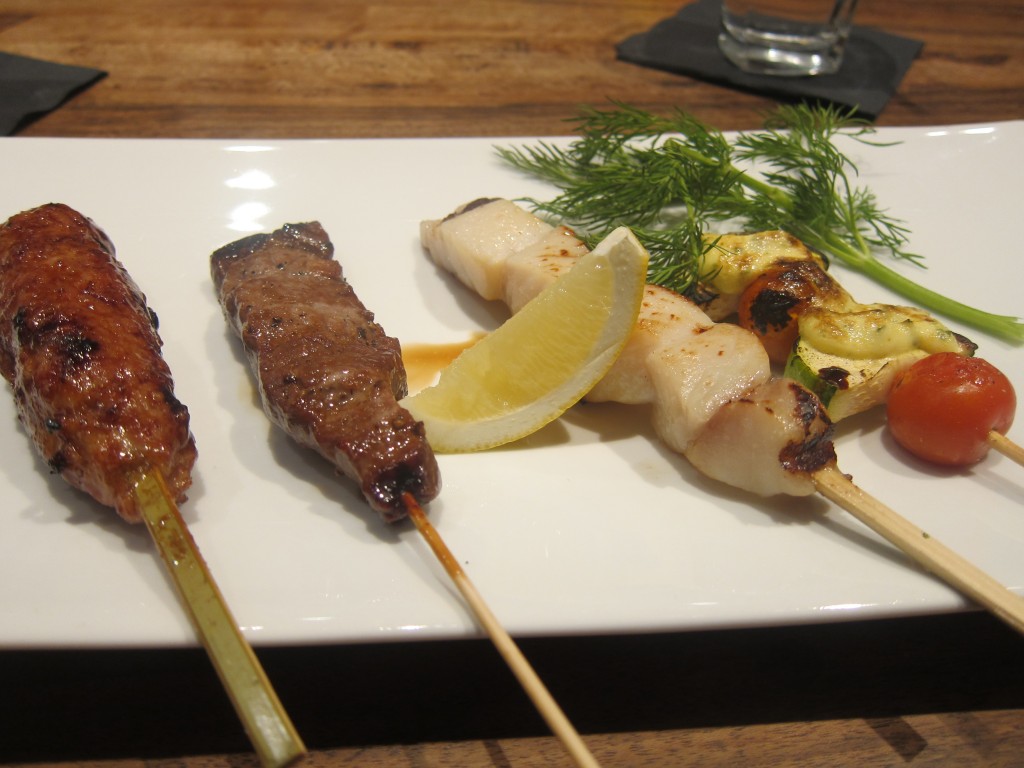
[
  {"x": 327, "y": 373},
  {"x": 80, "y": 348}
]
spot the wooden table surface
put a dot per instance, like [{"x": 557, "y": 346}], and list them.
[{"x": 926, "y": 691}]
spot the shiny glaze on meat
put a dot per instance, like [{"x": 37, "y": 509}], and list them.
[
  {"x": 80, "y": 348},
  {"x": 328, "y": 374}
]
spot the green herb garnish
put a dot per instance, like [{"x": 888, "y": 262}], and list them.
[{"x": 670, "y": 178}]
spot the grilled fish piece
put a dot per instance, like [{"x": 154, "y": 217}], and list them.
[
  {"x": 328, "y": 374},
  {"x": 779, "y": 430},
  {"x": 696, "y": 373},
  {"x": 81, "y": 350}
]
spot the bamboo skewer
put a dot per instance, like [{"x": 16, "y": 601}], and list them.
[
  {"x": 1006, "y": 446},
  {"x": 267, "y": 724},
  {"x": 925, "y": 550},
  {"x": 520, "y": 666}
]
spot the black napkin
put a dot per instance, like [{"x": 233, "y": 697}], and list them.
[
  {"x": 687, "y": 43},
  {"x": 30, "y": 87}
]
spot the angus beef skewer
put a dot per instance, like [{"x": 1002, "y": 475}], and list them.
[
  {"x": 80, "y": 348},
  {"x": 328, "y": 374},
  {"x": 332, "y": 378}
]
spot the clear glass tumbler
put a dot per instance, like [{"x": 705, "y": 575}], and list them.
[{"x": 786, "y": 37}]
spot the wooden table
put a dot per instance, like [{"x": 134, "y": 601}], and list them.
[{"x": 923, "y": 691}]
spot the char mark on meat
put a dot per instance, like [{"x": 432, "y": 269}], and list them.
[
  {"x": 816, "y": 450},
  {"x": 79, "y": 346},
  {"x": 327, "y": 373}
]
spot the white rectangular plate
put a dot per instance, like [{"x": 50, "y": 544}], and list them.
[{"x": 590, "y": 526}]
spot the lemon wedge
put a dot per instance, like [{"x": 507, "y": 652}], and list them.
[{"x": 542, "y": 360}]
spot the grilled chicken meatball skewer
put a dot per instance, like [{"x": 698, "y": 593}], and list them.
[
  {"x": 714, "y": 397},
  {"x": 80, "y": 348},
  {"x": 328, "y": 374},
  {"x": 81, "y": 351}
]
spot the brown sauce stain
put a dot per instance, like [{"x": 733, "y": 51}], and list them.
[{"x": 423, "y": 362}]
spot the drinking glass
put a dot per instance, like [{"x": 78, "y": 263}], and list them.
[{"x": 786, "y": 37}]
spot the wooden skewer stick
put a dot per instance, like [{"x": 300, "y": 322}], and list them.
[
  {"x": 1006, "y": 446},
  {"x": 267, "y": 724},
  {"x": 928, "y": 552},
  {"x": 520, "y": 666}
]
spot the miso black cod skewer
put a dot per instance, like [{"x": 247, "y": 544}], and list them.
[{"x": 713, "y": 395}]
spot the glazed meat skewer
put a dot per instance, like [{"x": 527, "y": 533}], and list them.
[
  {"x": 81, "y": 351},
  {"x": 713, "y": 394},
  {"x": 330, "y": 376},
  {"x": 327, "y": 373},
  {"x": 80, "y": 348}
]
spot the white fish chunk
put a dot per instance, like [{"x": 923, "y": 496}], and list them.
[
  {"x": 532, "y": 269},
  {"x": 694, "y": 380},
  {"x": 666, "y": 320},
  {"x": 766, "y": 442},
  {"x": 475, "y": 242},
  {"x": 501, "y": 251}
]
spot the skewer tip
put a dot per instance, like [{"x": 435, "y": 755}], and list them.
[
  {"x": 921, "y": 547},
  {"x": 506, "y": 646}
]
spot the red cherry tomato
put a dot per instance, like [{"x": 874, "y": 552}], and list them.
[{"x": 943, "y": 407}]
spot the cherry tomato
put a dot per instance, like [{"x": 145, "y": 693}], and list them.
[
  {"x": 770, "y": 305},
  {"x": 942, "y": 408}
]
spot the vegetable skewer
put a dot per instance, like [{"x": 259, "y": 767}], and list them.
[
  {"x": 945, "y": 405},
  {"x": 521, "y": 668},
  {"x": 268, "y": 726},
  {"x": 80, "y": 348}
]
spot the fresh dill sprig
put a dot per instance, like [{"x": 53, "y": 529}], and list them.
[{"x": 670, "y": 178}]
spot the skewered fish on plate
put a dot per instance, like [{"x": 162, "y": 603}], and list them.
[{"x": 768, "y": 436}]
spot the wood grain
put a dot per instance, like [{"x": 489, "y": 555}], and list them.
[
  {"x": 925, "y": 691},
  {"x": 924, "y": 741},
  {"x": 703, "y": 696},
  {"x": 411, "y": 68}
]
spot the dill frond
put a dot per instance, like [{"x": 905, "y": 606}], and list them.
[{"x": 672, "y": 179}]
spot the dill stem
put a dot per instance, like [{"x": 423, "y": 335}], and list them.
[
  {"x": 691, "y": 153},
  {"x": 859, "y": 257},
  {"x": 779, "y": 199}
]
